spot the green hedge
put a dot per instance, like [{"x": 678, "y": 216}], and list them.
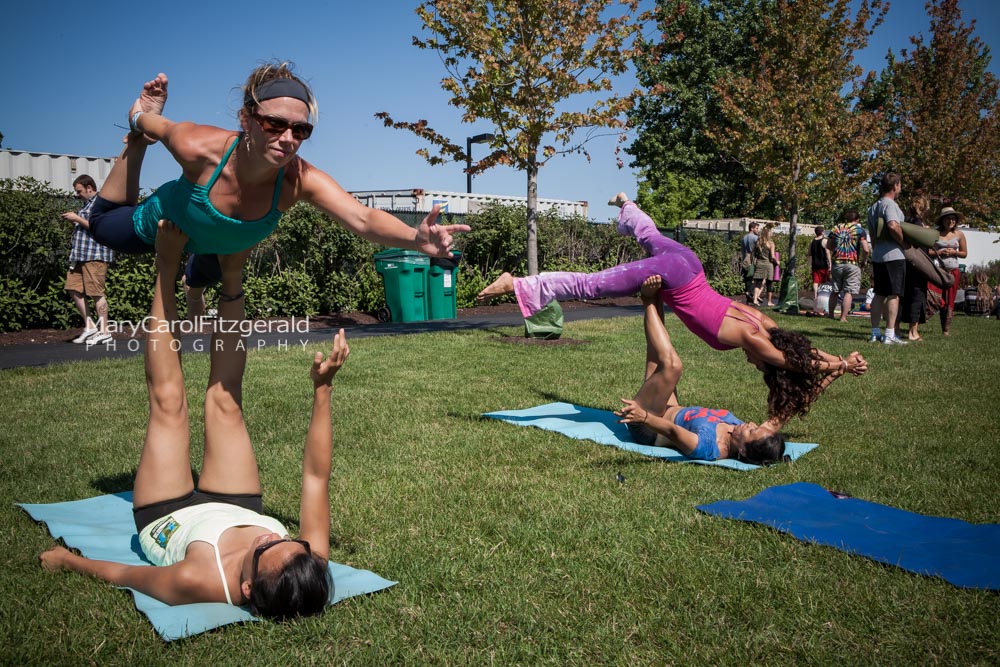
[{"x": 310, "y": 264}]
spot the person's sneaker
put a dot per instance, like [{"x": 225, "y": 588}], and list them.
[
  {"x": 893, "y": 340},
  {"x": 85, "y": 334},
  {"x": 874, "y": 339},
  {"x": 99, "y": 339}
]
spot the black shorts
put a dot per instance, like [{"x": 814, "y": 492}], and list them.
[
  {"x": 642, "y": 434},
  {"x": 147, "y": 514},
  {"x": 889, "y": 277},
  {"x": 111, "y": 225}
]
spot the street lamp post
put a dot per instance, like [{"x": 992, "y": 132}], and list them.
[{"x": 478, "y": 139}]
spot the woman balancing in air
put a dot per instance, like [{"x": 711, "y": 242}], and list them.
[
  {"x": 792, "y": 367},
  {"x": 235, "y": 185},
  {"x": 212, "y": 543},
  {"x": 654, "y": 416}
]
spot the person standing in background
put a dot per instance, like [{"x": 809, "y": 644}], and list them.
[
  {"x": 888, "y": 260},
  {"x": 746, "y": 259},
  {"x": 88, "y": 267},
  {"x": 819, "y": 255},
  {"x": 948, "y": 249},
  {"x": 849, "y": 242}
]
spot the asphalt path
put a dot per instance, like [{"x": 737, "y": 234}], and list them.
[{"x": 29, "y": 355}]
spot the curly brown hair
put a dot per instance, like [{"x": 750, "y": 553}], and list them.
[{"x": 792, "y": 390}]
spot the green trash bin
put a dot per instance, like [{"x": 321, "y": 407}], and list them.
[
  {"x": 442, "y": 279},
  {"x": 404, "y": 273}
]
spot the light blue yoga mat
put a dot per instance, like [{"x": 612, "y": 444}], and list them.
[
  {"x": 962, "y": 553},
  {"x": 602, "y": 427},
  {"x": 102, "y": 528}
]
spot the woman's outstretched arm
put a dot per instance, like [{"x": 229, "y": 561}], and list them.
[
  {"x": 172, "y": 584},
  {"x": 314, "y": 511}
]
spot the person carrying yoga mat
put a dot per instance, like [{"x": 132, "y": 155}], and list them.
[
  {"x": 792, "y": 367},
  {"x": 211, "y": 542},
  {"x": 654, "y": 417},
  {"x": 234, "y": 186}
]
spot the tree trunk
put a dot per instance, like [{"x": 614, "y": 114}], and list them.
[
  {"x": 788, "y": 294},
  {"x": 532, "y": 219}
]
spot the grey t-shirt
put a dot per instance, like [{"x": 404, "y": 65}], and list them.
[{"x": 884, "y": 250}]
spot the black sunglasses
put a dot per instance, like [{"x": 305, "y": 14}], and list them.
[
  {"x": 277, "y": 125},
  {"x": 259, "y": 551}
]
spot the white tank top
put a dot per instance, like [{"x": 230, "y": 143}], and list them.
[{"x": 165, "y": 541}]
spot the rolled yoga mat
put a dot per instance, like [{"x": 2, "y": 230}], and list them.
[
  {"x": 915, "y": 234},
  {"x": 941, "y": 278}
]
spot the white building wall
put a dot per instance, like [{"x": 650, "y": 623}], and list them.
[
  {"x": 421, "y": 201},
  {"x": 59, "y": 171}
]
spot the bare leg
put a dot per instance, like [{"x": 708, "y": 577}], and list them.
[
  {"x": 876, "y": 311},
  {"x": 230, "y": 465},
  {"x": 122, "y": 184},
  {"x": 80, "y": 301},
  {"x": 663, "y": 366},
  {"x": 892, "y": 312},
  {"x": 165, "y": 465},
  {"x": 195, "y": 297},
  {"x": 101, "y": 306},
  {"x": 845, "y": 308}
]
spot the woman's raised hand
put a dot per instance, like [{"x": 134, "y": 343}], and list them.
[{"x": 323, "y": 370}]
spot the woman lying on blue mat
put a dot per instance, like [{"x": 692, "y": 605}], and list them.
[
  {"x": 212, "y": 543},
  {"x": 654, "y": 417}
]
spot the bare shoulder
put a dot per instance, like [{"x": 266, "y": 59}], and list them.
[{"x": 194, "y": 142}]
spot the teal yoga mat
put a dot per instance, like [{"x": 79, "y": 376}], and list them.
[
  {"x": 102, "y": 528},
  {"x": 602, "y": 427}
]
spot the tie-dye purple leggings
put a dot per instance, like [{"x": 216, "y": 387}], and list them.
[{"x": 685, "y": 289}]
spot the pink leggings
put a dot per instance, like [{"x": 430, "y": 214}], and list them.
[
  {"x": 685, "y": 290},
  {"x": 676, "y": 264}
]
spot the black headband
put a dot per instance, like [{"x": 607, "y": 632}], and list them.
[{"x": 278, "y": 88}]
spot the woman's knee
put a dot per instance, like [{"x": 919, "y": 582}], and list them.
[
  {"x": 223, "y": 401},
  {"x": 168, "y": 399}
]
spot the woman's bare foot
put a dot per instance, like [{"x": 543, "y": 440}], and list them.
[
  {"x": 154, "y": 95},
  {"x": 502, "y": 285},
  {"x": 650, "y": 289},
  {"x": 151, "y": 100},
  {"x": 618, "y": 200},
  {"x": 170, "y": 242}
]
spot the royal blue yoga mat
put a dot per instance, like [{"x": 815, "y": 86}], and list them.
[
  {"x": 102, "y": 528},
  {"x": 602, "y": 427},
  {"x": 959, "y": 552}
]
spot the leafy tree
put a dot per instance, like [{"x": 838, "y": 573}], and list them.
[
  {"x": 517, "y": 63},
  {"x": 943, "y": 120},
  {"x": 798, "y": 135},
  {"x": 701, "y": 44}
]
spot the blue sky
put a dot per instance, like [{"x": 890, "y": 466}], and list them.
[{"x": 71, "y": 76}]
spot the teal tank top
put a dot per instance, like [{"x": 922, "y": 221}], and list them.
[{"x": 186, "y": 204}]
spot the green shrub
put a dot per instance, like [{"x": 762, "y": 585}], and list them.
[
  {"x": 129, "y": 287},
  {"x": 719, "y": 259},
  {"x": 290, "y": 292}
]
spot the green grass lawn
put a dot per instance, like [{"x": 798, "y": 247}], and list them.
[{"x": 518, "y": 546}]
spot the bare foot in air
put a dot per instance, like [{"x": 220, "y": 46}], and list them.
[
  {"x": 618, "y": 200},
  {"x": 502, "y": 285},
  {"x": 650, "y": 289},
  {"x": 154, "y": 95},
  {"x": 170, "y": 242},
  {"x": 151, "y": 101}
]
